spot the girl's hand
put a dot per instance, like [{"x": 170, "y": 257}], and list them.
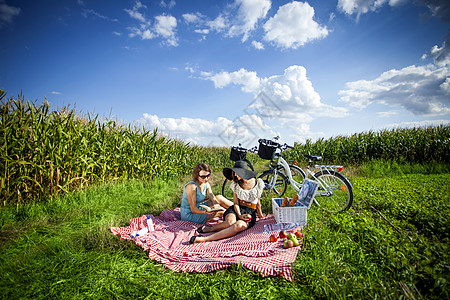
[
  {"x": 262, "y": 216},
  {"x": 246, "y": 217}
]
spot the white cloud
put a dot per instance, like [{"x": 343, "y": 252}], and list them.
[
  {"x": 86, "y": 12},
  {"x": 218, "y": 24},
  {"x": 249, "y": 13},
  {"x": 249, "y": 80},
  {"x": 293, "y": 26},
  {"x": 427, "y": 123},
  {"x": 441, "y": 55},
  {"x": 134, "y": 12},
  {"x": 257, "y": 45},
  {"x": 164, "y": 26},
  {"x": 193, "y": 18},
  {"x": 387, "y": 114},
  {"x": 438, "y": 8},
  {"x": 220, "y": 132},
  {"x": 292, "y": 92},
  {"x": 359, "y": 7},
  {"x": 7, "y": 13},
  {"x": 169, "y": 4},
  {"x": 422, "y": 90}
]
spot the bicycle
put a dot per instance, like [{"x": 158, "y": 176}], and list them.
[
  {"x": 240, "y": 153},
  {"x": 334, "y": 194}
]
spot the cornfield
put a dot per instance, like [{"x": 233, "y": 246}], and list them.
[
  {"x": 412, "y": 145},
  {"x": 46, "y": 152}
]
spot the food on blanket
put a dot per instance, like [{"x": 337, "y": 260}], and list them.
[
  {"x": 294, "y": 200},
  {"x": 290, "y": 235},
  {"x": 273, "y": 238},
  {"x": 298, "y": 234},
  {"x": 294, "y": 241},
  {"x": 288, "y": 244},
  {"x": 285, "y": 202},
  {"x": 282, "y": 234}
]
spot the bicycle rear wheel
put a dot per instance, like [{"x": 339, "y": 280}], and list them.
[
  {"x": 226, "y": 191},
  {"x": 335, "y": 193},
  {"x": 275, "y": 184}
]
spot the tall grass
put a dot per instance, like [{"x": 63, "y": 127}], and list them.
[
  {"x": 412, "y": 145},
  {"x": 44, "y": 152}
]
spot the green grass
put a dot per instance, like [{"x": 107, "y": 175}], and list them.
[{"x": 393, "y": 243}]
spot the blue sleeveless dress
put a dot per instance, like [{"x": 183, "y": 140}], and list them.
[{"x": 185, "y": 209}]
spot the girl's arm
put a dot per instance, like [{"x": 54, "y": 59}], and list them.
[
  {"x": 191, "y": 192},
  {"x": 259, "y": 209},
  {"x": 211, "y": 195},
  {"x": 236, "y": 206}
]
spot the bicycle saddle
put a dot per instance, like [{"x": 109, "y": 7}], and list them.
[{"x": 313, "y": 157}]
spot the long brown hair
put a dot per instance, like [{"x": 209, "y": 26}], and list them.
[{"x": 200, "y": 167}]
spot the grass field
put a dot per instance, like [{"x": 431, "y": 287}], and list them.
[{"x": 393, "y": 243}]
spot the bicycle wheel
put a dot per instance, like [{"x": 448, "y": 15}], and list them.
[
  {"x": 335, "y": 193},
  {"x": 275, "y": 184},
  {"x": 226, "y": 191},
  {"x": 297, "y": 174}
]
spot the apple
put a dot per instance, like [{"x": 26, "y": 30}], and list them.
[
  {"x": 273, "y": 238},
  {"x": 283, "y": 234},
  {"x": 288, "y": 244},
  {"x": 290, "y": 236},
  {"x": 298, "y": 234},
  {"x": 294, "y": 241}
]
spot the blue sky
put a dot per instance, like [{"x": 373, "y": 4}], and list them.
[{"x": 229, "y": 72}]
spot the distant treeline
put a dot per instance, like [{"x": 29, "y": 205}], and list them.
[
  {"x": 412, "y": 145},
  {"x": 45, "y": 152}
]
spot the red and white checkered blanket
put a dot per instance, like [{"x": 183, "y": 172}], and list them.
[{"x": 169, "y": 245}]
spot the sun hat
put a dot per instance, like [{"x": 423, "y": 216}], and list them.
[{"x": 240, "y": 167}]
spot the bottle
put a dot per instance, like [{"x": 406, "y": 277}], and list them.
[
  {"x": 142, "y": 231},
  {"x": 280, "y": 226},
  {"x": 150, "y": 225}
]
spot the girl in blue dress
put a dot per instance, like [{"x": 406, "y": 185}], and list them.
[{"x": 197, "y": 192}]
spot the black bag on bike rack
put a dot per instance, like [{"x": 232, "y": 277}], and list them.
[
  {"x": 237, "y": 154},
  {"x": 266, "y": 149}
]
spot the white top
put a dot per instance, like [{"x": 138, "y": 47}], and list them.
[{"x": 250, "y": 196}]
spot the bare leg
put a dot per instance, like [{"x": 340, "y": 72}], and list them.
[
  {"x": 227, "y": 231},
  {"x": 224, "y": 202},
  {"x": 229, "y": 221}
]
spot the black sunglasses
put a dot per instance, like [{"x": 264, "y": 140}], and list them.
[{"x": 204, "y": 176}]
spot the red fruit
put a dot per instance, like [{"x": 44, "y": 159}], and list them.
[
  {"x": 298, "y": 234},
  {"x": 283, "y": 234},
  {"x": 288, "y": 244},
  {"x": 273, "y": 238}
]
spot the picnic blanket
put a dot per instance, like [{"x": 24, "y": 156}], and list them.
[{"x": 169, "y": 245}]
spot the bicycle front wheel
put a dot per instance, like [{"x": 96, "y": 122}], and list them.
[
  {"x": 275, "y": 184},
  {"x": 335, "y": 193}
]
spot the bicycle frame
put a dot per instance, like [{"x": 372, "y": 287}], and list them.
[{"x": 309, "y": 174}]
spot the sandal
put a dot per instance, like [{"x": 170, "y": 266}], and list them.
[
  {"x": 192, "y": 239},
  {"x": 200, "y": 229}
]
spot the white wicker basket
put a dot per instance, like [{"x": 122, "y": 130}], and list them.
[{"x": 295, "y": 214}]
